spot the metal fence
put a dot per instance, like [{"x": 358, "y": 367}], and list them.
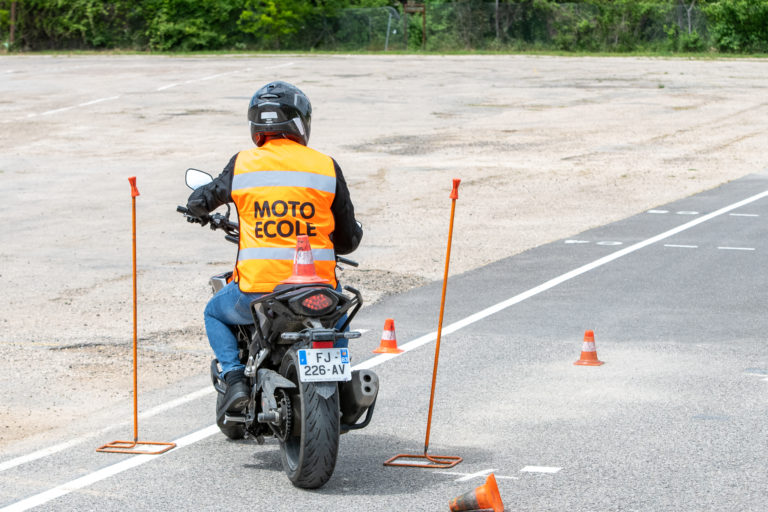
[{"x": 475, "y": 25}]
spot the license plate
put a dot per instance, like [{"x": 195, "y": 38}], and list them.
[{"x": 324, "y": 364}]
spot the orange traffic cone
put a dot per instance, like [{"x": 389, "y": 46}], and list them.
[
  {"x": 485, "y": 497},
  {"x": 588, "y": 351},
  {"x": 304, "y": 264},
  {"x": 388, "y": 343}
]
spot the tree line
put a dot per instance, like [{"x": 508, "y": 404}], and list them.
[{"x": 734, "y": 26}]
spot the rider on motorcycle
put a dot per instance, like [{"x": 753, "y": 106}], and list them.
[{"x": 281, "y": 189}]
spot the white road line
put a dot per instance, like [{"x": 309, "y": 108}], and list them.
[
  {"x": 195, "y": 80},
  {"x": 744, "y": 215},
  {"x": 87, "y": 103},
  {"x": 539, "y": 469},
  {"x": 480, "y": 474},
  {"x": 427, "y": 338},
  {"x": 64, "y": 109},
  {"x": 682, "y": 246},
  {"x": 137, "y": 460},
  {"x": 576, "y": 241},
  {"x": 658, "y": 211},
  {"x": 280, "y": 65},
  {"x": 104, "y": 473},
  {"x": 736, "y": 248},
  {"x": 39, "y": 454},
  {"x": 686, "y": 212}
]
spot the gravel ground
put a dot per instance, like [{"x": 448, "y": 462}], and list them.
[{"x": 546, "y": 147}]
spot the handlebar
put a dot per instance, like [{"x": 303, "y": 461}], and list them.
[{"x": 217, "y": 221}]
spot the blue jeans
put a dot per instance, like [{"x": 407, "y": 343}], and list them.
[{"x": 228, "y": 307}]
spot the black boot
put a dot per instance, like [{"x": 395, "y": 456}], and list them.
[{"x": 236, "y": 396}]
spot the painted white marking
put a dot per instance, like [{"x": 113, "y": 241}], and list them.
[
  {"x": 736, "y": 248},
  {"x": 104, "y": 473},
  {"x": 686, "y": 212},
  {"x": 744, "y": 215},
  {"x": 87, "y": 103},
  {"x": 682, "y": 246},
  {"x": 577, "y": 241},
  {"x": 280, "y": 65},
  {"x": 658, "y": 211},
  {"x": 609, "y": 243},
  {"x": 195, "y": 80},
  {"x": 64, "y": 109},
  {"x": 79, "y": 483},
  {"x": 428, "y": 338},
  {"x": 539, "y": 469},
  {"x": 12, "y": 463},
  {"x": 58, "y": 110},
  {"x": 480, "y": 474}
]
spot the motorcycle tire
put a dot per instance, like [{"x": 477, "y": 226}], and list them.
[
  {"x": 231, "y": 430},
  {"x": 309, "y": 455}
]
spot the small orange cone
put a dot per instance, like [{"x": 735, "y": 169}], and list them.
[
  {"x": 388, "y": 343},
  {"x": 304, "y": 264},
  {"x": 588, "y": 351},
  {"x": 485, "y": 497}
]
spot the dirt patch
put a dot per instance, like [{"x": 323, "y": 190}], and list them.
[{"x": 546, "y": 147}]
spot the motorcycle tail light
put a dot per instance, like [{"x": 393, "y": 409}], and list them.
[{"x": 317, "y": 302}]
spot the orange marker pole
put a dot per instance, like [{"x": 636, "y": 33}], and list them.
[
  {"x": 130, "y": 446},
  {"x": 437, "y": 461},
  {"x": 134, "y": 193},
  {"x": 454, "y": 196}
]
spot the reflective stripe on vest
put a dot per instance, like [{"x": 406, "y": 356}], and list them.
[
  {"x": 274, "y": 253},
  {"x": 282, "y": 189},
  {"x": 285, "y": 179}
]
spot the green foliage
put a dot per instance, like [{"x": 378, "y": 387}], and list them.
[
  {"x": 739, "y": 25},
  {"x": 586, "y": 25},
  {"x": 190, "y": 24}
]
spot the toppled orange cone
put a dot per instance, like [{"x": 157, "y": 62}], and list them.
[
  {"x": 304, "y": 264},
  {"x": 484, "y": 497},
  {"x": 588, "y": 351},
  {"x": 388, "y": 343}
]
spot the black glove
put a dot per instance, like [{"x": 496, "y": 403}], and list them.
[{"x": 197, "y": 208}]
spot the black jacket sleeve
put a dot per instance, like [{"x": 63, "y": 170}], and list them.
[
  {"x": 207, "y": 198},
  {"x": 347, "y": 234}
]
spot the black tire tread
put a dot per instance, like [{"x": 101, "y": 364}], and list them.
[
  {"x": 233, "y": 431},
  {"x": 320, "y": 436}
]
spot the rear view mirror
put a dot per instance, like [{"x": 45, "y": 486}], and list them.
[{"x": 196, "y": 178}]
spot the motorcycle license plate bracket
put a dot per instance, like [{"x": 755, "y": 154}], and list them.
[{"x": 324, "y": 365}]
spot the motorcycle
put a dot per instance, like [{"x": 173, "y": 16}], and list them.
[{"x": 304, "y": 392}]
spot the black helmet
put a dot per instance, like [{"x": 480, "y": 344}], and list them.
[{"x": 280, "y": 109}]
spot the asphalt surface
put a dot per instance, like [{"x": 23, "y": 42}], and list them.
[{"x": 674, "y": 420}]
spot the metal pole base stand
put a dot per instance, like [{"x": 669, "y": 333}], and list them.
[
  {"x": 130, "y": 447},
  {"x": 437, "y": 461}
]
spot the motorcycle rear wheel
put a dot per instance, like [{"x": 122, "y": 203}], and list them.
[{"x": 309, "y": 455}]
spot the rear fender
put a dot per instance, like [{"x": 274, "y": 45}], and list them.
[{"x": 268, "y": 381}]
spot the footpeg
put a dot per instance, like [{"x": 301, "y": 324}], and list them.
[{"x": 231, "y": 418}]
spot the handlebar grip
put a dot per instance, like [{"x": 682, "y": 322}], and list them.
[
  {"x": 181, "y": 209},
  {"x": 346, "y": 261}
]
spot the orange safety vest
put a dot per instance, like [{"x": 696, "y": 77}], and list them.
[{"x": 282, "y": 189}]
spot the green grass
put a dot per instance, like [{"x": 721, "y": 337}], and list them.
[{"x": 708, "y": 55}]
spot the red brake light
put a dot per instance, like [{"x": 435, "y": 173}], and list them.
[{"x": 317, "y": 302}]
